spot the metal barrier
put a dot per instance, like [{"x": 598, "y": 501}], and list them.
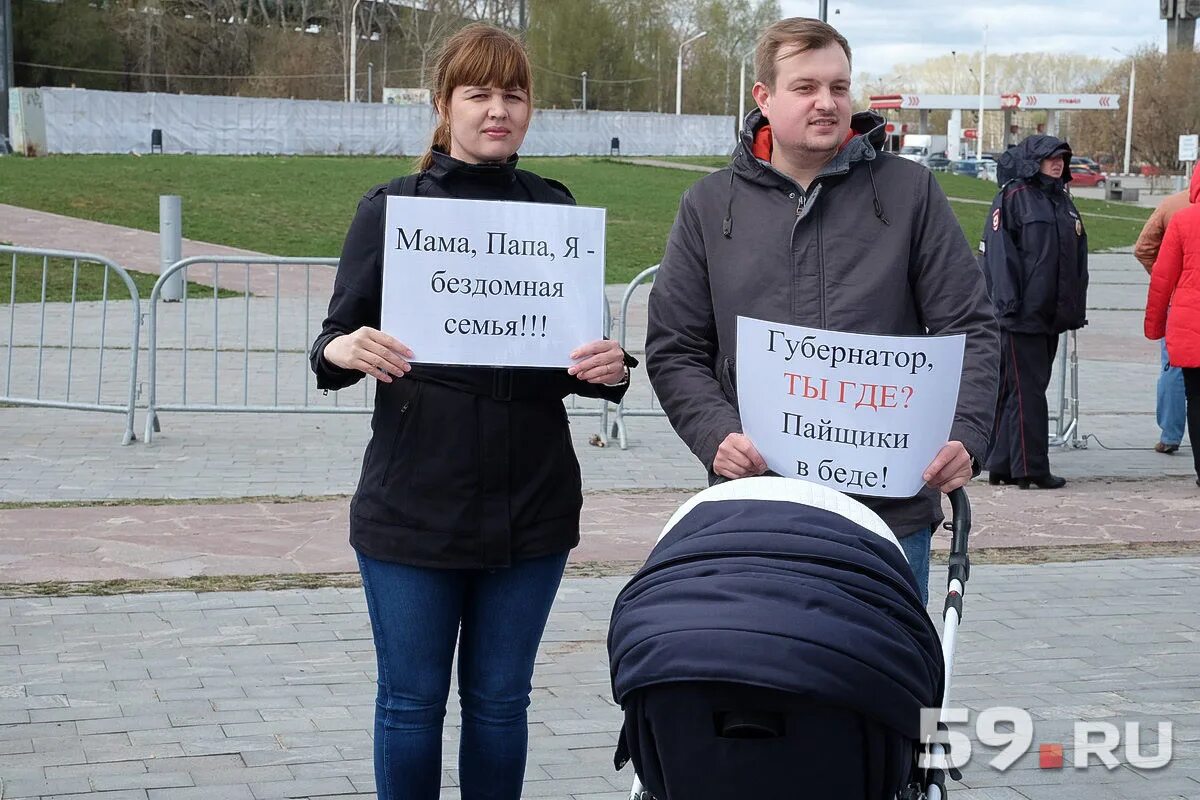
[
  {"x": 235, "y": 346},
  {"x": 264, "y": 347},
  {"x": 595, "y": 408},
  {"x": 41, "y": 382},
  {"x": 1066, "y": 418},
  {"x": 653, "y": 409}
]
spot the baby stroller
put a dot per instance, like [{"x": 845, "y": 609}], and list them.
[{"x": 774, "y": 646}]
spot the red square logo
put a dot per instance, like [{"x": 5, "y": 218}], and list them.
[{"x": 1050, "y": 756}]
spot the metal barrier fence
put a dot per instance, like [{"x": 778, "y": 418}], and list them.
[
  {"x": 84, "y": 320},
  {"x": 236, "y": 344},
  {"x": 258, "y": 324},
  {"x": 1064, "y": 418},
  {"x": 625, "y": 408}
]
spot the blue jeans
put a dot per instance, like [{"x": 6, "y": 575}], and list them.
[
  {"x": 416, "y": 614},
  {"x": 1171, "y": 409},
  {"x": 916, "y": 547}
]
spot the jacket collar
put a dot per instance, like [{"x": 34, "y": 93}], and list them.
[
  {"x": 448, "y": 170},
  {"x": 867, "y": 136}
]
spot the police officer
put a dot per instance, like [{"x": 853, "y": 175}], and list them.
[{"x": 1035, "y": 258}]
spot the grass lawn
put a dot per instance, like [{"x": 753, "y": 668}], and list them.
[
  {"x": 1104, "y": 232},
  {"x": 301, "y": 206},
  {"x": 1109, "y": 225}
]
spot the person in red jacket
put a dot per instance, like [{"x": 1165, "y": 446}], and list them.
[{"x": 1175, "y": 282}]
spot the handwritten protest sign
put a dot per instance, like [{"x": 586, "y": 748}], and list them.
[
  {"x": 861, "y": 414},
  {"x": 487, "y": 283}
]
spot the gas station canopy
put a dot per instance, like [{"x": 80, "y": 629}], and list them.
[{"x": 996, "y": 102}]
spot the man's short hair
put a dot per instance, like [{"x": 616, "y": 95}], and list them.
[{"x": 787, "y": 37}]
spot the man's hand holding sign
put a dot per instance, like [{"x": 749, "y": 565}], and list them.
[{"x": 866, "y": 415}]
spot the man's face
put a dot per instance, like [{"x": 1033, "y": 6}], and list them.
[
  {"x": 809, "y": 106},
  {"x": 1053, "y": 166}
]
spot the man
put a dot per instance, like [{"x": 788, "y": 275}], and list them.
[
  {"x": 1035, "y": 258},
  {"x": 812, "y": 225},
  {"x": 1171, "y": 407}
]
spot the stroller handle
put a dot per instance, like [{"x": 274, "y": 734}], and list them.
[{"x": 960, "y": 528}]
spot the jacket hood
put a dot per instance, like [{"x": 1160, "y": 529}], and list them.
[
  {"x": 1194, "y": 195},
  {"x": 867, "y": 137},
  {"x": 1024, "y": 161}
]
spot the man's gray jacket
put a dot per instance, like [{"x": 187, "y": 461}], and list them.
[{"x": 872, "y": 247}]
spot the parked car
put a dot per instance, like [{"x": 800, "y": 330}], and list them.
[
  {"x": 938, "y": 162},
  {"x": 1083, "y": 161},
  {"x": 983, "y": 168},
  {"x": 1083, "y": 175}
]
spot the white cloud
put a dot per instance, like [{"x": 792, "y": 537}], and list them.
[{"x": 884, "y": 33}]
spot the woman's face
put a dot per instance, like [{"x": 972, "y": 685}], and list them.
[
  {"x": 487, "y": 123},
  {"x": 1053, "y": 166}
]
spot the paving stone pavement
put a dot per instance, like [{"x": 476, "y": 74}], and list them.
[
  {"x": 269, "y": 694},
  {"x": 178, "y": 540}
]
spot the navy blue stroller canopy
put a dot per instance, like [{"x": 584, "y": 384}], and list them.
[{"x": 773, "y": 642}]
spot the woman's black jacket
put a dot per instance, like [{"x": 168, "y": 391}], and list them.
[{"x": 467, "y": 467}]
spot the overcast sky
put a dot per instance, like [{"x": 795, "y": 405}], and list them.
[{"x": 884, "y": 33}]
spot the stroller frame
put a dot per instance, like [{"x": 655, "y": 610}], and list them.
[{"x": 929, "y": 783}]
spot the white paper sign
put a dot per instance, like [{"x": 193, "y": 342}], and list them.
[
  {"x": 860, "y": 414},
  {"x": 492, "y": 283},
  {"x": 1189, "y": 147}
]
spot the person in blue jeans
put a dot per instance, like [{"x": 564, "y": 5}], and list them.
[
  {"x": 470, "y": 492},
  {"x": 1171, "y": 409}
]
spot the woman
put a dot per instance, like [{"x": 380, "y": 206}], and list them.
[
  {"x": 1175, "y": 283},
  {"x": 470, "y": 493}
]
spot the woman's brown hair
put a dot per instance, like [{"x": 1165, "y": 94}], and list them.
[{"x": 477, "y": 55}]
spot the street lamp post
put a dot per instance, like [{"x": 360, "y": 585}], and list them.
[
  {"x": 679, "y": 72},
  {"x": 584, "y": 76},
  {"x": 982, "y": 80},
  {"x": 1129, "y": 111},
  {"x": 6, "y": 72},
  {"x": 354, "y": 51},
  {"x": 824, "y": 11},
  {"x": 742, "y": 90}
]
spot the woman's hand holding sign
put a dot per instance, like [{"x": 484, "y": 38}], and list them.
[
  {"x": 603, "y": 362},
  {"x": 950, "y": 469},
  {"x": 371, "y": 352}
]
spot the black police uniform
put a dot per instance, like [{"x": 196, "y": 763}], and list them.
[{"x": 1035, "y": 258}]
